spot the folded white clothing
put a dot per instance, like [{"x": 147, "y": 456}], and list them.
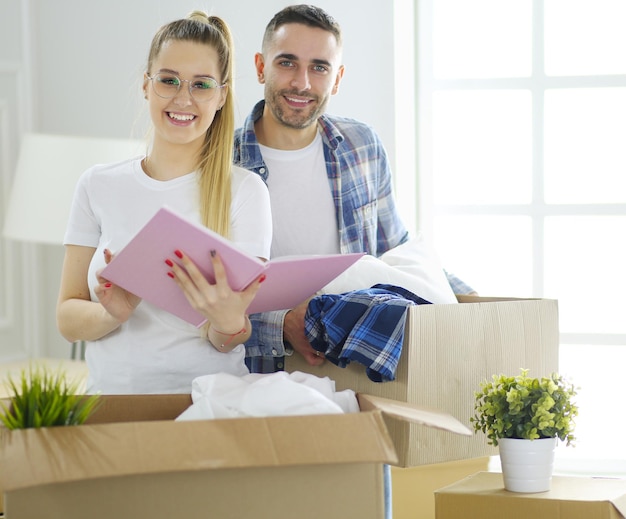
[
  {"x": 223, "y": 395},
  {"x": 414, "y": 266}
]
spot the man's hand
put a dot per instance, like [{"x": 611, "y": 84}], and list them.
[{"x": 293, "y": 333}]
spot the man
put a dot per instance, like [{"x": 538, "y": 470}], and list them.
[{"x": 329, "y": 177}]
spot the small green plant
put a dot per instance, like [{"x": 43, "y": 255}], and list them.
[
  {"x": 525, "y": 408},
  {"x": 41, "y": 398}
]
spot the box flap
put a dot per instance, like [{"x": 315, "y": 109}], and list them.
[
  {"x": 487, "y": 299},
  {"x": 413, "y": 413},
  {"x": 32, "y": 457},
  {"x": 620, "y": 504}
]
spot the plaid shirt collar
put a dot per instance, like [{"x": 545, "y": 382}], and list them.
[{"x": 248, "y": 149}]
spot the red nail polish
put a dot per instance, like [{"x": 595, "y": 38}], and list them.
[
  {"x": 108, "y": 285},
  {"x": 171, "y": 274},
  {"x": 169, "y": 262},
  {"x": 178, "y": 253},
  {"x": 262, "y": 278}
]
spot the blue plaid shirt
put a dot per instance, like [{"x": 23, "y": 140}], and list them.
[
  {"x": 367, "y": 220},
  {"x": 364, "y": 326}
]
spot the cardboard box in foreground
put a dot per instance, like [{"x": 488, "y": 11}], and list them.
[
  {"x": 133, "y": 460},
  {"x": 483, "y": 495},
  {"x": 448, "y": 350}
]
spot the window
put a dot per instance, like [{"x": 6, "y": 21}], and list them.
[{"x": 521, "y": 119}]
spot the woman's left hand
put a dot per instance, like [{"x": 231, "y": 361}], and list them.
[{"x": 224, "y": 308}]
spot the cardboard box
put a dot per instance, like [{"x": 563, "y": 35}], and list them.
[
  {"x": 448, "y": 350},
  {"x": 483, "y": 495},
  {"x": 133, "y": 460},
  {"x": 414, "y": 488}
]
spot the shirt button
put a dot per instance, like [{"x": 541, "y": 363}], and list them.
[
  {"x": 261, "y": 170},
  {"x": 274, "y": 352}
]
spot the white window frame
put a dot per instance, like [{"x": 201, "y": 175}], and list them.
[
  {"x": 415, "y": 193},
  {"x": 423, "y": 210}
]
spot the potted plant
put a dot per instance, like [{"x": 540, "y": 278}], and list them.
[
  {"x": 525, "y": 417},
  {"x": 41, "y": 398}
]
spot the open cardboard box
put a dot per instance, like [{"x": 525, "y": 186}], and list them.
[
  {"x": 483, "y": 495},
  {"x": 133, "y": 460},
  {"x": 448, "y": 350}
]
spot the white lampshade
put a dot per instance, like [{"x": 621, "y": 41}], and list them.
[{"x": 48, "y": 168}]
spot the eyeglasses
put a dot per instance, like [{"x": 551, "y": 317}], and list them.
[{"x": 168, "y": 85}]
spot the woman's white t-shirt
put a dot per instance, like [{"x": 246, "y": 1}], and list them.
[{"x": 154, "y": 351}]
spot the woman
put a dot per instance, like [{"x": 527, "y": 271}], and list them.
[{"x": 138, "y": 348}]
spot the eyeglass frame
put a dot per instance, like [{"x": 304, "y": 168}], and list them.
[{"x": 180, "y": 82}]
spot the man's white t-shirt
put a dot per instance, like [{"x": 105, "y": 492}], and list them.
[
  {"x": 303, "y": 210},
  {"x": 154, "y": 351}
]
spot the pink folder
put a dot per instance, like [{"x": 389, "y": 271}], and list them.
[{"x": 140, "y": 267}]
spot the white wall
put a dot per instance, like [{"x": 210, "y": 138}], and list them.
[
  {"x": 79, "y": 65},
  {"x": 89, "y": 58}
]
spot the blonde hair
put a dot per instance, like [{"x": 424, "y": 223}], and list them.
[{"x": 216, "y": 156}]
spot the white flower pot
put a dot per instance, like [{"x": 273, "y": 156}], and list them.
[{"x": 527, "y": 464}]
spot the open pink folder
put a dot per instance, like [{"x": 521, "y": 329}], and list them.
[{"x": 140, "y": 267}]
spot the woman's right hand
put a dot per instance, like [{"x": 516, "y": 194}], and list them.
[
  {"x": 80, "y": 318},
  {"x": 116, "y": 301}
]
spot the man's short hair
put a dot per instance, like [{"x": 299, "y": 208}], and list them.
[{"x": 304, "y": 14}]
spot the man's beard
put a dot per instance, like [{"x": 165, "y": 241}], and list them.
[{"x": 295, "y": 118}]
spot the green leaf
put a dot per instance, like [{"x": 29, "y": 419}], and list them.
[
  {"x": 40, "y": 398},
  {"x": 525, "y": 407}
]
